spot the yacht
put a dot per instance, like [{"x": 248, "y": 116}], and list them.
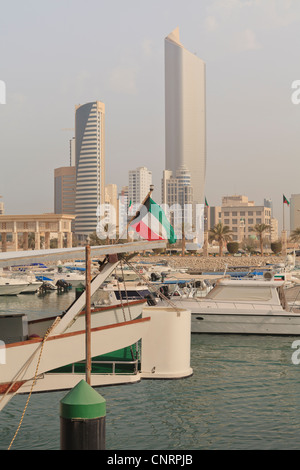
[
  {"x": 242, "y": 307},
  {"x": 10, "y": 286}
]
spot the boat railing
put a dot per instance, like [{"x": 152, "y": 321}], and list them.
[{"x": 77, "y": 367}]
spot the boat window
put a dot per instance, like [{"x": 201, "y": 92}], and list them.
[{"x": 239, "y": 293}]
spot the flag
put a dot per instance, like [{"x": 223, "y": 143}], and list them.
[
  {"x": 285, "y": 201},
  {"x": 130, "y": 203},
  {"x": 206, "y": 203},
  {"x": 151, "y": 223}
]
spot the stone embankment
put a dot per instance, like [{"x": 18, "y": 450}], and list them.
[{"x": 204, "y": 264}]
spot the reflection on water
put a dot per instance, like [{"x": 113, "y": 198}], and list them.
[{"x": 244, "y": 394}]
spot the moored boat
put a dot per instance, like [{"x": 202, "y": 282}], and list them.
[{"x": 243, "y": 307}]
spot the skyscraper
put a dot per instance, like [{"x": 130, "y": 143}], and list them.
[
  {"x": 185, "y": 114},
  {"x": 90, "y": 165},
  {"x": 64, "y": 190},
  {"x": 139, "y": 184}
]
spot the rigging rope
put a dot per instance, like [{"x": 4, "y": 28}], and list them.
[{"x": 35, "y": 378}]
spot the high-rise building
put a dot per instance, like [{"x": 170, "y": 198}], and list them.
[
  {"x": 177, "y": 189},
  {"x": 72, "y": 152},
  {"x": 177, "y": 194},
  {"x": 64, "y": 190},
  {"x": 90, "y": 165},
  {"x": 111, "y": 204},
  {"x": 140, "y": 181},
  {"x": 185, "y": 113},
  {"x": 1, "y": 207},
  {"x": 269, "y": 203},
  {"x": 294, "y": 211}
]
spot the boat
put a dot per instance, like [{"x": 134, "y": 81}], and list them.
[
  {"x": 10, "y": 286},
  {"x": 242, "y": 307},
  {"x": 34, "y": 354},
  {"x": 128, "y": 291}
]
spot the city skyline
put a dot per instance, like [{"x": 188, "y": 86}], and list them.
[{"x": 252, "y": 124}]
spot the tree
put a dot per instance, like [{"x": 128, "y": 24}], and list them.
[
  {"x": 260, "y": 229},
  {"x": 94, "y": 240},
  {"x": 221, "y": 234},
  {"x": 295, "y": 235},
  {"x": 233, "y": 247},
  {"x": 276, "y": 247},
  {"x": 249, "y": 245}
]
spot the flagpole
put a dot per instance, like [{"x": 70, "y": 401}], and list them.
[
  {"x": 134, "y": 216},
  {"x": 283, "y": 215}
]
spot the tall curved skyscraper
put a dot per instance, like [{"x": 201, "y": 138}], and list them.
[
  {"x": 185, "y": 113},
  {"x": 90, "y": 165}
]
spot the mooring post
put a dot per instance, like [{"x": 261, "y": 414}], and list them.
[{"x": 82, "y": 419}]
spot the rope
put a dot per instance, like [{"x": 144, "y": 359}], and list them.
[
  {"x": 127, "y": 300},
  {"x": 35, "y": 378}
]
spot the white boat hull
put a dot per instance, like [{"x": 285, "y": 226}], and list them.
[
  {"x": 31, "y": 288},
  {"x": 22, "y": 358},
  {"x": 256, "y": 324},
  {"x": 239, "y": 318},
  {"x": 165, "y": 354},
  {"x": 101, "y": 316},
  {"x": 12, "y": 289}
]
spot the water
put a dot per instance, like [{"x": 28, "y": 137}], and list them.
[{"x": 244, "y": 394}]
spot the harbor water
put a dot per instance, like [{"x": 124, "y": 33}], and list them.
[{"x": 244, "y": 394}]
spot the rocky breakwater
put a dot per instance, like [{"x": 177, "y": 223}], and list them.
[{"x": 210, "y": 263}]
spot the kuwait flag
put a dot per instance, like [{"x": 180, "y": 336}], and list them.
[
  {"x": 151, "y": 223},
  {"x": 285, "y": 201}
]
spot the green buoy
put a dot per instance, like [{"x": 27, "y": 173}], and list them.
[{"x": 82, "y": 419}]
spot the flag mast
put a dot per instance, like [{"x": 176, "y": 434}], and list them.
[{"x": 134, "y": 216}]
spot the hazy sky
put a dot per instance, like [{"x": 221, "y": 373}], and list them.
[{"x": 59, "y": 53}]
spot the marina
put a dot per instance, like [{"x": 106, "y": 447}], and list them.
[
  {"x": 243, "y": 395},
  {"x": 239, "y": 385}
]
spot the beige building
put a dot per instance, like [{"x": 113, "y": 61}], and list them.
[
  {"x": 294, "y": 211},
  {"x": 140, "y": 181},
  {"x": 14, "y": 227},
  {"x": 1, "y": 207},
  {"x": 64, "y": 190},
  {"x": 111, "y": 204},
  {"x": 241, "y": 215}
]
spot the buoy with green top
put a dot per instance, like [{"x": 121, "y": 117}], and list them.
[{"x": 82, "y": 419}]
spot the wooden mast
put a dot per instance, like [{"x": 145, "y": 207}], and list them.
[{"x": 88, "y": 367}]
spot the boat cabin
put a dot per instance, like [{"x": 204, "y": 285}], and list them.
[{"x": 250, "y": 291}]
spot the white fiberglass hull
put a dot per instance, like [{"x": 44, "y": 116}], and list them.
[
  {"x": 239, "y": 318},
  {"x": 101, "y": 316},
  {"x": 12, "y": 289},
  {"x": 31, "y": 288},
  {"x": 256, "y": 324},
  {"x": 21, "y": 359}
]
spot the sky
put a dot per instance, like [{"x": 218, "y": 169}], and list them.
[{"x": 56, "y": 54}]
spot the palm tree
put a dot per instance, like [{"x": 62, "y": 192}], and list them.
[
  {"x": 295, "y": 235},
  {"x": 260, "y": 229},
  {"x": 220, "y": 233},
  {"x": 95, "y": 240}
]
